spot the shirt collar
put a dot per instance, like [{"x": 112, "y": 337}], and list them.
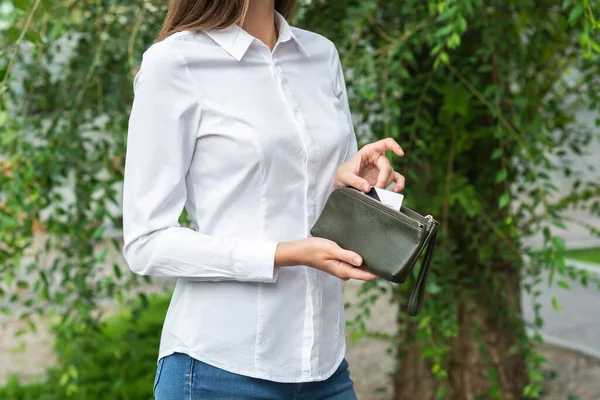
[{"x": 235, "y": 41}]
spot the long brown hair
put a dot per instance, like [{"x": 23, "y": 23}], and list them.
[{"x": 211, "y": 14}]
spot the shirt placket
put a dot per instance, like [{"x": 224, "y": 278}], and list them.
[{"x": 312, "y": 320}]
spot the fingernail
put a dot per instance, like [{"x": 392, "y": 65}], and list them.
[
  {"x": 365, "y": 187},
  {"x": 357, "y": 260}
]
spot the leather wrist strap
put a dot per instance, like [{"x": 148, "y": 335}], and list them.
[{"x": 418, "y": 293}]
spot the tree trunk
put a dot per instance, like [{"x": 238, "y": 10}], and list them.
[
  {"x": 412, "y": 379},
  {"x": 484, "y": 348}
]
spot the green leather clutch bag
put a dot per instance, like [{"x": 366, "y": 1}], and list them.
[{"x": 389, "y": 241}]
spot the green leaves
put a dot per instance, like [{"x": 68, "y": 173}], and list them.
[
  {"x": 582, "y": 15},
  {"x": 117, "y": 271},
  {"x": 101, "y": 257},
  {"x": 468, "y": 201},
  {"x": 456, "y": 100},
  {"x": 56, "y": 187},
  {"x": 47, "y": 4},
  {"x": 504, "y": 200},
  {"x": 563, "y": 285},
  {"x": 555, "y": 304},
  {"x": 24, "y": 5},
  {"x": 576, "y": 13},
  {"x": 34, "y": 37},
  {"x": 482, "y": 121},
  {"x": 12, "y": 34},
  {"x": 501, "y": 176},
  {"x": 559, "y": 243}
]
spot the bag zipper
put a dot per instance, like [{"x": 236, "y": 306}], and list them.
[
  {"x": 359, "y": 194},
  {"x": 430, "y": 219}
]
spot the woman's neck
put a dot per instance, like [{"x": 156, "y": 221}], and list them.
[{"x": 260, "y": 21}]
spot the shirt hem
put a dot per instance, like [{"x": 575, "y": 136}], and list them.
[{"x": 254, "y": 374}]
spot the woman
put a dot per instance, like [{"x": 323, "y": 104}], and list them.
[{"x": 244, "y": 121}]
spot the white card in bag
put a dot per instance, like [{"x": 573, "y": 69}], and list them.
[{"x": 390, "y": 198}]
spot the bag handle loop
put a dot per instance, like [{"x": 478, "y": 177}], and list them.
[{"x": 415, "y": 301}]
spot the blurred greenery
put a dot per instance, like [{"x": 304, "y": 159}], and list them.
[
  {"x": 591, "y": 255},
  {"x": 483, "y": 97},
  {"x": 16, "y": 390},
  {"x": 116, "y": 362},
  {"x": 486, "y": 99}
]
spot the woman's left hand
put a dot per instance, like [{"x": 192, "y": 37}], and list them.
[{"x": 369, "y": 166}]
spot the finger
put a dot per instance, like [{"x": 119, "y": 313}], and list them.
[
  {"x": 391, "y": 179},
  {"x": 341, "y": 270},
  {"x": 358, "y": 163},
  {"x": 385, "y": 172},
  {"x": 361, "y": 274},
  {"x": 347, "y": 256},
  {"x": 346, "y": 271},
  {"x": 356, "y": 182},
  {"x": 383, "y": 145},
  {"x": 400, "y": 182}
]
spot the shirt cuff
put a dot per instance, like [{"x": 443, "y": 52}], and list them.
[{"x": 254, "y": 261}]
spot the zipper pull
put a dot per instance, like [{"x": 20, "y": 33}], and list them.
[{"x": 430, "y": 219}]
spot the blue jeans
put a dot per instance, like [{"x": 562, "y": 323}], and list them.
[{"x": 181, "y": 377}]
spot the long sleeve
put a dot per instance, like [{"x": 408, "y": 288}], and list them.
[
  {"x": 341, "y": 93},
  {"x": 163, "y": 129}
]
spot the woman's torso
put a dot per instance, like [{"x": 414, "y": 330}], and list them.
[{"x": 271, "y": 136}]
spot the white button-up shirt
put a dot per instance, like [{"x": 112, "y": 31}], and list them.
[{"x": 248, "y": 141}]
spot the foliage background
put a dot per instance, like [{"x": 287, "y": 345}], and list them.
[
  {"x": 482, "y": 96},
  {"x": 115, "y": 362}
]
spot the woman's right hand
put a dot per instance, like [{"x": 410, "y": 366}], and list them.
[{"x": 322, "y": 254}]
